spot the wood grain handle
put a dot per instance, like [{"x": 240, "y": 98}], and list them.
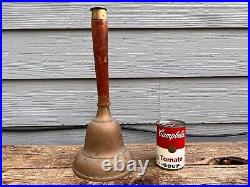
[{"x": 99, "y": 26}]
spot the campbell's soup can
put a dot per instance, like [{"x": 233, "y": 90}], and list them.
[{"x": 170, "y": 141}]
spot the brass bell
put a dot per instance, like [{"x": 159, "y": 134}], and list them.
[{"x": 103, "y": 139}]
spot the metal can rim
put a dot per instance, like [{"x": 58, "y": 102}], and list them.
[{"x": 171, "y": 123}]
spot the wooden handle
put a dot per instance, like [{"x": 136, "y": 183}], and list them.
[{"x": 99, "y": 27}]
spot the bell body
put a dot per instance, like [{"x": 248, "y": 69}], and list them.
[{"x": 103, "y": 140}]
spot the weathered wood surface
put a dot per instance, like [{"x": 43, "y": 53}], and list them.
[
  {"x": 125, "y": 15},
  {"x": 52, "y": 165},
  {"x": 132, "y": 53},
  {"x": 73, "y": 102},
  {"x": 134, "y": 133}
]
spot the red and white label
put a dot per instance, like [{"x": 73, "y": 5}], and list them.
[{"x": 170, "y": 147}]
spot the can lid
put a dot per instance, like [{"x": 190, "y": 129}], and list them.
[{"x": 171, "y": 123}]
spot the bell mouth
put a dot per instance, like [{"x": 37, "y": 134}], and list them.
[
  {"x": 80, "y": 175},
  {"x": 90, "y": 168}
]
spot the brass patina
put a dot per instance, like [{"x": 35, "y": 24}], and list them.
[{"x": 103, "y": 139}]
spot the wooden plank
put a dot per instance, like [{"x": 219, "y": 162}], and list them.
[
  {"x": 65, "y": 153},
  {"x": 131, "y": 134},
  {"x": 52, "y": 165},
  {"x": 188, "y": 175},
  {"x": 73, "y": 102},
  {"x": 132, "y": 54},
  {"x": 126, "y": 15}
]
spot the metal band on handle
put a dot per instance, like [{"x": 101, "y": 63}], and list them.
[{"x": 99, "y": 13}]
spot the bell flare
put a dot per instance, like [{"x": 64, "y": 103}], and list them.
[
  {"x": 103, "y": 143},
  {"x": 90, "y": 168}
]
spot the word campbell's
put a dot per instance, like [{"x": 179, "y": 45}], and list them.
[{"x": 171, "y": 136}]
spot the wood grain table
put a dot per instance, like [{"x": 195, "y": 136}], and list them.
[{"x": 206, "y": 163}]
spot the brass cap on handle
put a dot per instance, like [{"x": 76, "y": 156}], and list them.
[{"x": 99, "y": 13}]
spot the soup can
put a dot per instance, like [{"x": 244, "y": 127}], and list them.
[{"x": 170, "y": 140}]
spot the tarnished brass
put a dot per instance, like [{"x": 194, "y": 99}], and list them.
[
  {"x": 103, "y": 139},
  {"x": 99, "y": 13}
]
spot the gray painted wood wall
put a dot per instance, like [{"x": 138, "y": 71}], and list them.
[{"x": 184, "y": 61}]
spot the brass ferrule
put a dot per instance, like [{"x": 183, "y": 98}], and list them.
[
  {"x": 99, "y": 13},
  {"x": 103, "y": 114}
]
